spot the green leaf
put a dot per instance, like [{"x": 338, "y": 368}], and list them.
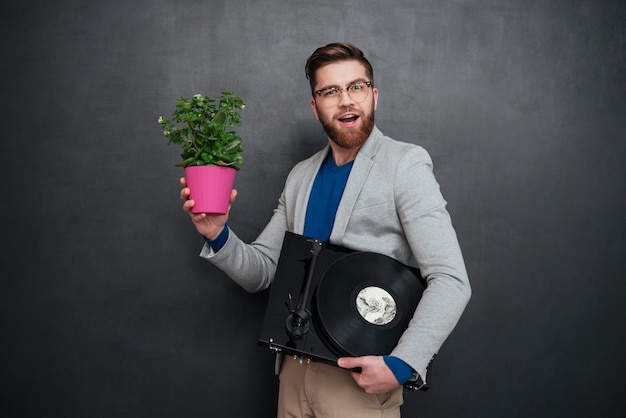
[
  {"x": 207, "y": 158},
  {"x": 220, "y": 118},
  {"x": 232, "y": 147},
  {"x": 185, "y": 162}
]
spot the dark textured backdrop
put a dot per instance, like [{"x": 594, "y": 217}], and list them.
[{"x": 106, "y": 309}]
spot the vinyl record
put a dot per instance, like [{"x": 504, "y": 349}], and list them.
[{"x": 364, "y": 302}]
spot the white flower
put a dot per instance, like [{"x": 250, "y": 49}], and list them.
[{"x": 160, "y": 119}]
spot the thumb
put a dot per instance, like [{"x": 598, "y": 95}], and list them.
[{"x": 348, "y": 362}]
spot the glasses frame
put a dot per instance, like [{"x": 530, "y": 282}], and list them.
[{"x": 318, "y": 93}]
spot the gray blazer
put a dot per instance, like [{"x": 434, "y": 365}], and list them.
[{"x": 391, "y": 205}]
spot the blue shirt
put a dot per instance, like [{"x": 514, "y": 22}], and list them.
[{"x": 326, "y": 193}]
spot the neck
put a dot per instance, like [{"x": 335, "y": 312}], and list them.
[{"x": 342, "y": 155}]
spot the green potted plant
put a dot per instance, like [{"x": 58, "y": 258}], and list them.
[{"x": 211, "y": 154}]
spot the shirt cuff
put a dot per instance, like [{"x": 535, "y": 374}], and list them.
[
  {"x": 217, "y": 243},
  {"x": 402, "y": 371}
]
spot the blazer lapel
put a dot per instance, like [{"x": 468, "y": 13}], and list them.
[{"x": 360, "y": 170}]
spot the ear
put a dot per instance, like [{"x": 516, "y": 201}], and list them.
[
  {"x": 314, "y": 109},
  {"x": 375, "y": 92}
]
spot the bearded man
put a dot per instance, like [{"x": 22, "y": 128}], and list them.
[{"x": 367, "y": 192}]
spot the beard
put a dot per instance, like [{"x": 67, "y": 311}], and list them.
[{"x": 349, "y": 138}]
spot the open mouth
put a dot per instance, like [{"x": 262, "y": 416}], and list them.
[{"x": 349, "y": 119}]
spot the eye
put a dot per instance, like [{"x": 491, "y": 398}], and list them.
[
  {"x": 357, "y": 86},
  {"x": 331, "y": 92}
]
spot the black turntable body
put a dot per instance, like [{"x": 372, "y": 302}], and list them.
[{"x": 328, "y": 301}]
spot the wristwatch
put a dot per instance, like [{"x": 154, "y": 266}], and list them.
[{"x": 416, "y": 383}]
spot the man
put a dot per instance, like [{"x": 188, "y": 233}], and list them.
[{"x": 366, "y": 192}]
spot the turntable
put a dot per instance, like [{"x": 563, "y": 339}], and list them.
[{"x": 328, "y": 301}]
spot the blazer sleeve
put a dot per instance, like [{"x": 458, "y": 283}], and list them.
[{"x": 434, "y": 244}]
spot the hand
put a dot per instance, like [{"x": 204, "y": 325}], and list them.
[
  {"x": 375, "y": 377},
  {"x": 208, "y": 226}
]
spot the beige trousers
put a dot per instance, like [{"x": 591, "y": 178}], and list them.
[{"x": 317, "y": 390}]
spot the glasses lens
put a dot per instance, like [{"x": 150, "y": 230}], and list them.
[{"x": 358, "y": 91}]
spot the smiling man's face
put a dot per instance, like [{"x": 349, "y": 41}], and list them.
[{"x": 347, "y": 123}]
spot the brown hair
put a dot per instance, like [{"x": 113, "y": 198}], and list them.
[{"x": 332, "y": 53}]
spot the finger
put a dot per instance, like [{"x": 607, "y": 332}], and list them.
[
  {"x": 188, "y": 205},
  {"x": 197, "y": 217},
  {"x": 183, "y": 182},
  {"x": 184, "y": 193},
  {"x": 233, "y": 196}
]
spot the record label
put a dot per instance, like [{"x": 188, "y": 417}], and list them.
[{"x": 376, "y": 305}]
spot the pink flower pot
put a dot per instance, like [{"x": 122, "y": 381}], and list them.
[{"x": 210, "y": 187}]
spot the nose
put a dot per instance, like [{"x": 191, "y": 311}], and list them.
[{"x": 344, "y": 98}]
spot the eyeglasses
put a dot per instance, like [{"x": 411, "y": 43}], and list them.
[{"x": 332, "y": 95}]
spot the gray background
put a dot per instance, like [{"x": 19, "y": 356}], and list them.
[{"x": 107, "y": 310}]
